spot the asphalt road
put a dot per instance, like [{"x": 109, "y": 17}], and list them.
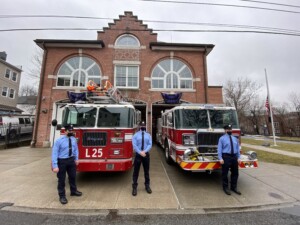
[{"x": 273, "y": 217}]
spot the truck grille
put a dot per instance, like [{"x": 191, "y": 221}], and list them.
[
  {"x": 94, "y": 139},
  {"x": 207, "y": 143},
  {"x": 208, "y": 139}
]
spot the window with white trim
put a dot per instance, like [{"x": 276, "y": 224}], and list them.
[
  {"x": 126, "y": 76},
  {"x": 14, "y": 76},
  {"x": 171, "y": 74},
  {"x": 127, "y": 40},
  {"x": 77, "y": 71},
  {"x": 7, "y": 73},
  {"x": 4, "y": 91},
  {"x": 11, "y": 93}
]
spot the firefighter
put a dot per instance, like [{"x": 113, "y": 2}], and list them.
[
  {"x": 229, "y": 157},
  {"x": 142, "y": 143},
  {"x": 65, "y": 160}
]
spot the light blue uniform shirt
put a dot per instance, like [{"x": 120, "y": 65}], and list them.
[
  {"x": 60, "y": 149},
  {"x": 137, "y": 141},
  {"x": 225, "y": 147}
]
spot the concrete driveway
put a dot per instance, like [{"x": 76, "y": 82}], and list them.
[{"x": 28, "y": 183}]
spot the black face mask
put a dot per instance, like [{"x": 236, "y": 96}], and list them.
[
  {"x": 143, "y": 128},
  {"x": 229, "y": 132},
  {"x": 70, "y": 134}
]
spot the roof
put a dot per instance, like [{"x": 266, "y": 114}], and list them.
[
  {"x": 11, "y": 66},
  {"x": 181, "y": 46},
  {"x": 44, "y": 43},
  {"x": 5, "y": 108},
  {"x": 28, "y": 100}
]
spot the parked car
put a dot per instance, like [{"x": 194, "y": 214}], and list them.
[{"x": 16, "y": 124}]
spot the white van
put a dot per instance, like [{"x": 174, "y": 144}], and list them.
[{"x": 16, "y": 124}]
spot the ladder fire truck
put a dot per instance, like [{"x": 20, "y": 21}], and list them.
[
  {"x": 103, "y": 126},
  {"x": 189, "y": 135}
]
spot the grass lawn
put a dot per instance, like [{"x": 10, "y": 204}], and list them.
[
  {"x": 281, "y": 146},
  {"x": 263, "y": 156}
]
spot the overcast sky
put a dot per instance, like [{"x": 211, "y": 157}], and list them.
[{"x": 235, "y": 54}]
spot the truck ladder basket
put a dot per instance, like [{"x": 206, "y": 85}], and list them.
[{"x": 107, "y": 94}]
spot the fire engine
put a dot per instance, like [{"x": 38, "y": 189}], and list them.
[
  {"x": 103, "y": 126},
  {"x": 189, "y": 135}
]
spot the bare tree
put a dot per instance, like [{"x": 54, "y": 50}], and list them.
[
  {"x": 281, "y": 116},
  {"x": 36, "y": 60},
  {"x": 28, "y": 90},
  {"x": 240, "y": 93},
  {"x": 256, "y": 108},
  {"x": 295, "y": 103}
]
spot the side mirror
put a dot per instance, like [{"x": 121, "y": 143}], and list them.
[{"x": 54, "y": 122}]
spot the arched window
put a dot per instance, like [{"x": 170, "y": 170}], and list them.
[
  {"x": 127, "y": 40},
  {"x": 172, "y": 74},
  {"x": 77, "y": 71}
]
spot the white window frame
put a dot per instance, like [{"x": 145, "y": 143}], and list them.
[
  {"x": 171, "y": 73},
  {"x": 127, "y": 66},
  {"x": 80, "y": 70},
  {"x": 127, "y": 46},
  {"x": 14, "y": 93},
  {"x": 9, "y": 73},
  {"x": 12, "y": 76},
  {"x": 7, "y": 90}
]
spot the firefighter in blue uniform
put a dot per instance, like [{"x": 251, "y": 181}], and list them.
[
  {"x": 65, "y": 160},
  {"x": 142, "y": 143},
  {"x": 229, "y": 157}
]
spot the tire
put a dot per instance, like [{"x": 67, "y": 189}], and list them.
[
  {"x": 12, "y": 134},
  {"x": 168, "y": 159}
]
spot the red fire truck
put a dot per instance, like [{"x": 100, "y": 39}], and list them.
[
  {"x": 103, "y": 126},
  {"x": 189, "y": 135}
]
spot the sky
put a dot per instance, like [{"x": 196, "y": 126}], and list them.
[{"x": 236, "y": 54}]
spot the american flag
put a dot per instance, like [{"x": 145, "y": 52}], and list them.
[
  {"x": 267, "y": 105},
  {"x": 268, "y": 109}
]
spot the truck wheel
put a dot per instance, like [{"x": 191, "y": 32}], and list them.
[
  {"x": 12, "y": 134},
  {"x": 167, "y": 155}
]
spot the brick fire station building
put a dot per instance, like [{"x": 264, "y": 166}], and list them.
[{"x": 128, "y": 54}]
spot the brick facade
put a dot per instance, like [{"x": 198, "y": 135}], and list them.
[{"x": 104, "y": 52}]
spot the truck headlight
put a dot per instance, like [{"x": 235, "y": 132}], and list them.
[
  {"x": 116, "y": 140},
  {"x": 188, "y": 139}
]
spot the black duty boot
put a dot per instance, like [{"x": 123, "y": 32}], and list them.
[
  {"x": 226, "y": 190},
  {"x": 134, "y": 190},
  {"x": 148, "y": 189}
]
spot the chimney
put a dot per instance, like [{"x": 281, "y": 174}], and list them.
[{"x": 3, "y": 55}]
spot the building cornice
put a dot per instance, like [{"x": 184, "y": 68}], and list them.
[
  {"x": 46, "y": 43},
  {"x": 163, "y": 46}
]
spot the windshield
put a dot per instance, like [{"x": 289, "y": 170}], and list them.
[
  {"x": 115, "y": 117},
  {"x": 191, "y": 118},
  {"x": 220, "y": 118},
  {"x": 80, "y": 116}
]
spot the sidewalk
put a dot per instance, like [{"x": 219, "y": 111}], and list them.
[{"x": 272, "y": 150}]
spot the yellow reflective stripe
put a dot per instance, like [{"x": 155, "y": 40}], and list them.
[
  {"x": 210, "y": 165},
  {"x": 183, "y": 164},
  {"x": 196, "y": 166}
]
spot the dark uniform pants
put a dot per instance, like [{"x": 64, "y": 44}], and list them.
[
  {"x": 230, "y": 162},
  {"x": 146, "y": 165},
  {"x": 66, "y": 166}
]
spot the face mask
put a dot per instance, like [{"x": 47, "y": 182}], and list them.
[
  {"x": 229, "y": 132},
  {"x": 70, "y": 134},
  {"x": 143, "y": 128}
]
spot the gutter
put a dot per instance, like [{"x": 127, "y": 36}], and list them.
[
  {"x": 39, "y": 99},
  {"x": 205, "y": 75}
]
